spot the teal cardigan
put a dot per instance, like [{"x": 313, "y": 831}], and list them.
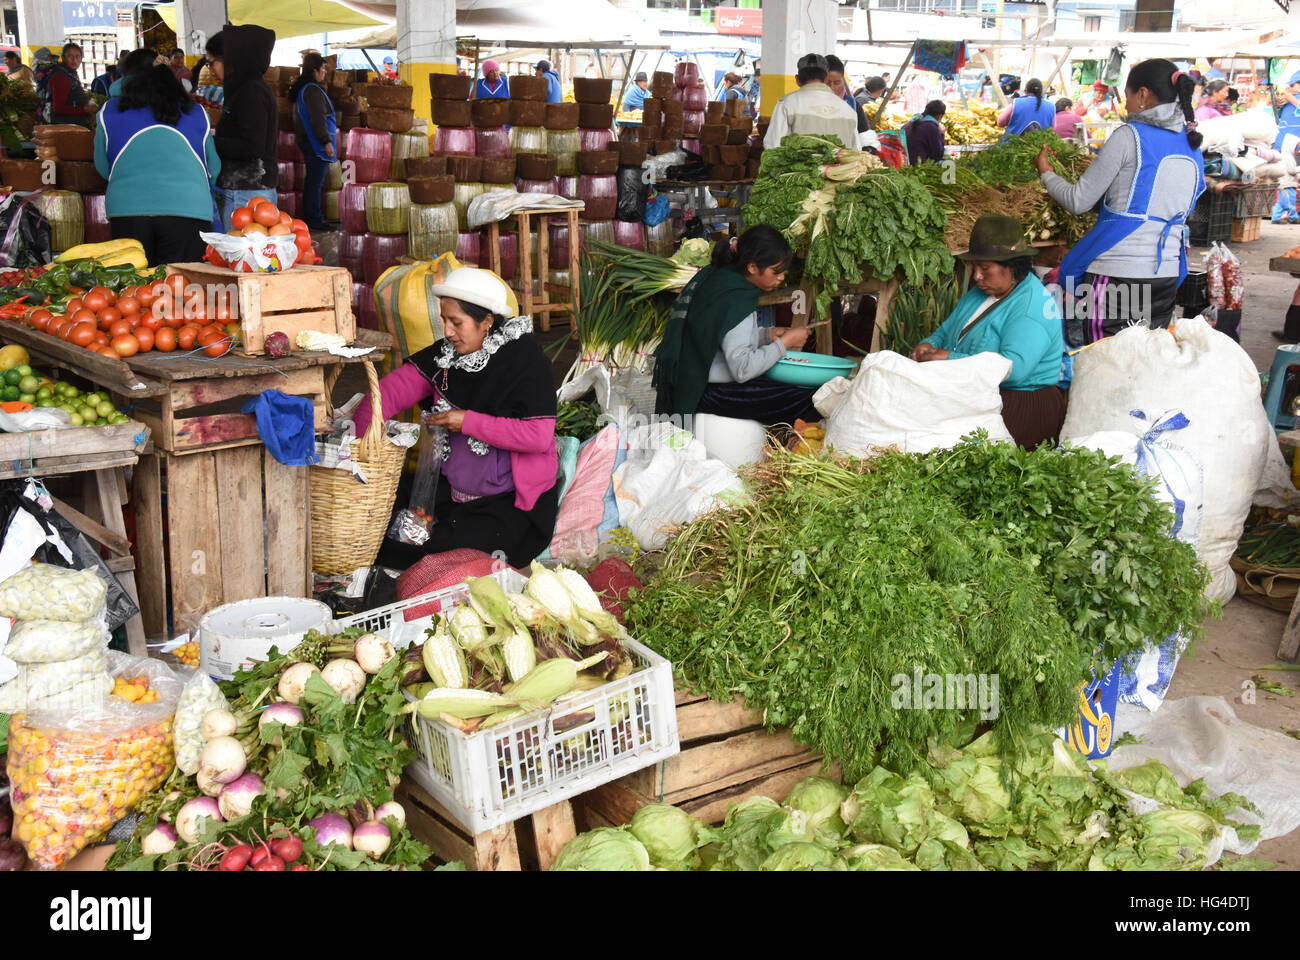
[{"x": 1025, "y": 328}]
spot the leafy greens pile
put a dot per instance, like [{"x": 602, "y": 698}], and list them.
[
  {"x": 843, "y": 213},
  {"x": 951, "y": 812},
  {"x": 841, "y": 577}
]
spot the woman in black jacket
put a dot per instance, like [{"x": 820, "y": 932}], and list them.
[{"x": 247, "y": 134}]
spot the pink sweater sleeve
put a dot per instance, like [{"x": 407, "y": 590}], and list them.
[
  {"x": 1005, "y": 116},
  {"x": 402, "y": 389},
  {"x": 516, "y": 436}
]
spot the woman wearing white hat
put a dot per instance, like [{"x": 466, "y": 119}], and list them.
[{"x": 491, "y": 387}]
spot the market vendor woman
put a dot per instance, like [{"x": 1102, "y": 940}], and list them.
[
  {"x": 490, "y": 385},
  {"x": 1008, "y": 311},
  {"x": 714, "y": 354}
]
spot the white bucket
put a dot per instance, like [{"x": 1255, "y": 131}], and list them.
[{"x": 234, "y": 635}]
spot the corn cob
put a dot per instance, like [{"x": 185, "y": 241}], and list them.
[
  {"x": 587, "y": 604},
  {"x": 468, "y": 629},
  {"x": 503, "y": 716},
  {"x": 550, "y": 679},
  {"x": 547, "y": 590},
  {"x": 490, "y": 602},
  {"x": 526, "y": 611},
  {"x": 443, "y": 659},
  {"x": 465, "y": 704},
  {"x": 520, "y": 657}
]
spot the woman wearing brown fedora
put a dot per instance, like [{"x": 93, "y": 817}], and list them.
[{"x": 1008, "y": 311}]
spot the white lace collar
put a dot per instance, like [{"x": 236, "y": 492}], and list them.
[{"x": 503, "y": 333}]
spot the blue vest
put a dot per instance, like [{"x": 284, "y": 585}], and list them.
[
  {"x": 1155, "y": 146},
  {"x": 1288, "y": 122},
  {"x": 123, "y": 126},
  {"x": 330, "y": 126},
  {"x": 1025, "y": 110},
  {"x": 483, "y": 92}
]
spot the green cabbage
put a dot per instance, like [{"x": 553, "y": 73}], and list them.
[
  {"x": 800, "y": 856},
  {"x": 876, "y": 856},
  {"x": 670, "y": 836},
  {"x": 819, "y": 800},
  {"x": 604, "y": 849},
  {"x": 885, "y": 808},
  {"x": 744, "y": 833}
]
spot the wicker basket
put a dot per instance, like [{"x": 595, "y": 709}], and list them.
[{"x": 349, "y": 519}]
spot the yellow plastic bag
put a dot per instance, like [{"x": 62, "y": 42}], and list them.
[{"x": 74, "y": 774}]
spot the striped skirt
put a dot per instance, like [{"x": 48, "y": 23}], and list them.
[{"x": 1033, "y": 416}]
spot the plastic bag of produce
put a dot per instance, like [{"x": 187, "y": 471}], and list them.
[
  {"x": 632, "y": 194},
  {"x": 74, "y": 774},
  {"x": 26, "y": 233},
  {"x": 88, "y": 695},
  {"x": 200, "y": 695},
  {"x": 47, "y": 641},
  {"x": 45, "y": 592},
  {"x": 255, "y": 254},
  {"x": 45, "y": 680}
]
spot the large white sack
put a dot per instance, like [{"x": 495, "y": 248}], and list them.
[
  {"x": 1252, "y": 128},
  {"x": 916, "y": 407},
  {"x": 1203, "y": 373}
]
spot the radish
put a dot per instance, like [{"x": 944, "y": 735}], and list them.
[
  {"x": 270, "y": 863},
  {"x": 287, "y": 848},
  {"x": 285, "y": 713},
  {"x": 372, "y": 839},
  {"x": 391, "y": 809},
  {"x": 294, "y": 681},
  {"x": 209, "y": 786},
  {"x": 236, "y": 799},
  {"x": 332, "y": 828},
  {"x": 236, "y": 858},
  {"x": 189, "y": 822},
  {"x": 260, "y": 853},
  {"x": 372, "y": 652},
  {"x": 219, "y": 723},
  {"x": 346, "y": 678},
  {"x": 161, "y": 839},
  {"x": 222, "y": 760},
  {"x": 299, "y": 866}
]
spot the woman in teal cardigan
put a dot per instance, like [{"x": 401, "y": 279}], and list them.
[{"x": 1008, "y": 311}]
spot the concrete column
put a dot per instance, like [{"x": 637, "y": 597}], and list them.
[
  {"x": 196, "y": 21},
  {"x": 426, "y": 44},
  {"x": 791, "y": 29},
  {"x": 40, "y": 24}
]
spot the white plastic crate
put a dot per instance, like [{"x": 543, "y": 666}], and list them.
[{"x": 495, "y": 776}]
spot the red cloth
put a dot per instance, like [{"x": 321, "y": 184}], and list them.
[
  {"x": 438, "y": 571},
  {"x": 612, "y": 579}
]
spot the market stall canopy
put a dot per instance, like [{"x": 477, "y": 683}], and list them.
[
  {"x": 296, "y": 18},
  {"x": 522, "y": 24}
]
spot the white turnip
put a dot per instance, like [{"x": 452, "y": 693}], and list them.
[
  {"x": 294, "y": 681},
  {"x": 236, "y": 799},
  {"x": 285, "y": 713},
  {"x": 161, "y": 839},
  {"x": 372, "y": 839},
  {"x": 346, "y": 678},
  {"x": 372, "y": 652},
  {"x": 189, "y": 822},
  {"x": 391, "y": 809},
  {"x": 222, "y": 760},
  {"x": 219, "y": 723},
  {"x": 209, "y": 786},
  {"x": 332, "y": 828}
]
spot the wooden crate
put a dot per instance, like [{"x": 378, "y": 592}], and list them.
[
  {"x": 43, "y": 452},
  {"x": 531, "y": 843},
  {"x": 1246, "y": 229},
  {"x": 203, "y": 414},
  {"x": 727, "y": 755},
  {"x": 298, "y": 300}
]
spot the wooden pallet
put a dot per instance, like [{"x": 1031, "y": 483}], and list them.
[
  {"x": 306, "y": 298},
  {"x": 727, "y": 755},
  {"x": 1246, "y": 229},
  {"x": 531, "y": 843}
]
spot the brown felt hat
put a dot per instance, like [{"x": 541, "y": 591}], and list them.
[{"x": 996, "y": 238}]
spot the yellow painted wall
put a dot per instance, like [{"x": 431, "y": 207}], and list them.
[{"x": 772, "y": 87}]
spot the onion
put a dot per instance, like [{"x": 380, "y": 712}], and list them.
[
  {"x": 294, "y": 680},
  {"x": 373, "y": 651},
  {"x": 346, "y": 678},
  {"x": 372, "y": 839},
  {"x": 161, "y": 839},
  {"x": 189, "y": 822},
  {"x": 222, "y": 759},
  {"x": 332, "y": 828},
  {"x": 391, "y": 809},
  {"x": 236, "y": 799},
  {"x": 219, "y": 723}
]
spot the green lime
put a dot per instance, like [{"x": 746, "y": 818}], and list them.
[
  {"x": 75, "y": 419},
  {"x": 44, "y": 393},
  {"x": 105, "y": 409},
  {"x": 100, "y": 422},
  {"x": 87, "y": 413},
  {"x": 24, "y": 369},
  {"x": 27, "y": 398},
  {"x": 13, "y": 377},
  {"x": 29, "y": 384},
  {"x": 11, "y": 393},
  {"x": 73, "y": 392}
]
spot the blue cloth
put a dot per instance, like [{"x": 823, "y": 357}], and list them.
[
  {"x": 554, "y": 94},
  {"x": 1155, "y": 147},
  {"x": 485, "y": 91},
  {"x": 232, "y": 200},
  {"x": 1027, "y": 110},
  {"x": 1025, "y": 328},
  {"x": 331, "y": 127},
  {"x": 634, "y": 99},
  {"x": 154, "y": 169},
  {"x": 1288, "y": 122},
  {"x": 1284, "y": 210},
  {"x": 287, "y": 425}
]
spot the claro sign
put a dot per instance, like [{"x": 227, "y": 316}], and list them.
[{"x": 743, "y": 23}]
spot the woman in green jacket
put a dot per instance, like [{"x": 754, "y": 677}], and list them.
[{"x": 1009, "y": 312}]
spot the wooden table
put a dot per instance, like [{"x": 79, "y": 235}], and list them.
[{"x": 231, "y": 522}]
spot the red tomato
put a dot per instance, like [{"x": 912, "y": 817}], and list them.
[
  {"x": 165, "y": 339},
  {"x": 126, "y": 345},
  {"x": 186, "y": 336},
  {"x": 145, "y": 338},
  {"x": 129, "y": 306},
  {"x": 147, "y": 322},
  {"x": 109, "y": 316},
  {"x": 119, "y": 329},
  {"x": 83, "y": 334}
]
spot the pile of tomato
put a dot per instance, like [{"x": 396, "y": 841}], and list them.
[
  {"x": 261, "y": 216},
  {"x": 139, "y": 319}
]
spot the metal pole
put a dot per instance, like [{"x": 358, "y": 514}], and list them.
[{"x": 884, "y": 101}]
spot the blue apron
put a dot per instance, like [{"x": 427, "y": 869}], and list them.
[
  {"x": 1154, "y": 145},
  {"x": 1025, "y": 111},
  {"x": 318, "y": 148}
]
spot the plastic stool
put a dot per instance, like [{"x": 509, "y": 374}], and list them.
[
  {"x": 1286, "y": 355},
  {"x": 734, "y": 442}
]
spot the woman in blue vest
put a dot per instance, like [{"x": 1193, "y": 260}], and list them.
[
  {"x": 1127, "y": 269},
  {"x": 1287, "y": 104},
  {"x": 492, "y": 83},
  {"x": 154, "y": 146},
  {"x": 316, "y": 134},
  {"x": 1028, "y": 112}
]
